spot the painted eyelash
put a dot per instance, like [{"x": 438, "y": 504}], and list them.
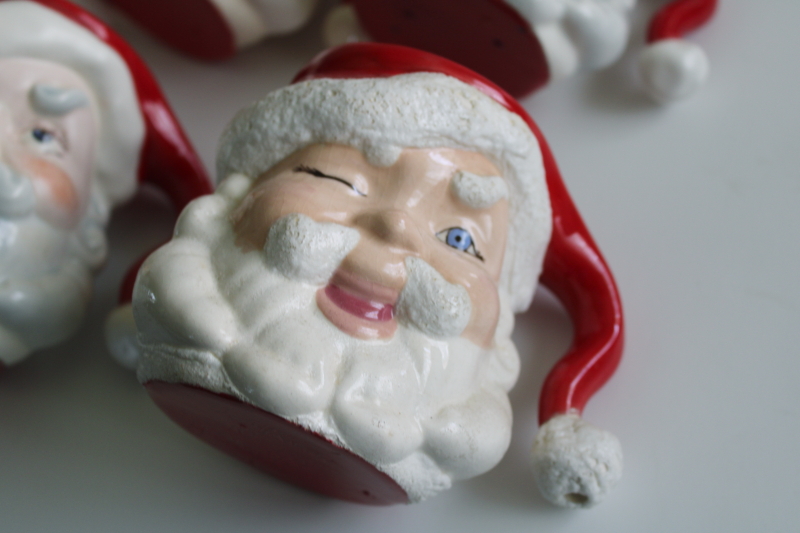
[{"x": 319, "y": 174}]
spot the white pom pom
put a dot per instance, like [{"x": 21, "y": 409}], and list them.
[
  {"x": 121, "y": 337},
  {"x": 342, "y": 26},
  {"x": 575, "y": 463},
  {"x": 672, "y": 69}
]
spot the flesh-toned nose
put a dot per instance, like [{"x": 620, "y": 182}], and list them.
[{"x": 393, "y": 226}]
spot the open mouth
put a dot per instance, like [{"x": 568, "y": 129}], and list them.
[
  {"x": 358, "y": 307},
  {"x": 368, "y": 310}
]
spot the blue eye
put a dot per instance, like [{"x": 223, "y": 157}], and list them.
[
  {"x": 42, "y": 135},
  {"x": 460, "y": 239}
]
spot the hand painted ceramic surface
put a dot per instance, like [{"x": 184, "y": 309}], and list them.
[{"x": 354, "y": 279}]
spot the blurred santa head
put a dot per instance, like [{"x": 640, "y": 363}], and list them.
[{"x": 72, "y": 145}]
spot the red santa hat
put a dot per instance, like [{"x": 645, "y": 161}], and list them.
[
  {"x": 140, "y": 139},
  {"x": 523, "y": 44},
  {"x": 380, "y": 98}
]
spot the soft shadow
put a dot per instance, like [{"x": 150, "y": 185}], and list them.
[{"x": 542, "y": 335}]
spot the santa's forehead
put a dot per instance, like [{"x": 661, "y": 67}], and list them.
[
  {"x": 45, "y": 93},
  {"x": 470, "y": 176},
  {"x": 20, "y": 74},
  {"x": 443, "y": 156}
]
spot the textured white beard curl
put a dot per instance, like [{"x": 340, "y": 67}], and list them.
[
  {"x": 423, "y": 410},
  {"x": 431, "y": 304}
]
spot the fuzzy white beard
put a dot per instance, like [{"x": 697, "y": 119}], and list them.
[
  {"x": 45, "y": 272},
  {"x": 425, "y": 410}
]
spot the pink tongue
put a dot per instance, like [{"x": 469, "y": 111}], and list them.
[{"x": 358, "y": 307}]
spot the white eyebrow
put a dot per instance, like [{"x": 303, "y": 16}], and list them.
[
  {"x": 50, "y": 100},
  {"x": 478, "y": 192}
]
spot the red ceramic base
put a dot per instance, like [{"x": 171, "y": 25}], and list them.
[
  {"x": 275, "y": 445},
  {"x": 486, "y": 36},
  {"x": 195, "y": 27}
]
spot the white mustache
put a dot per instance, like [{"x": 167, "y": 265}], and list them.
[
  {"x": 432, "y": 304},
  {"x": 305, "y": 250},
  {"x": 17, "y": 198}
]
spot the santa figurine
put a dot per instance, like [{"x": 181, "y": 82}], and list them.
[
  {"x": 519, "y": 44},
  {"x": 524, "y": 44},
  {"x": 339, "y": 312},
  {"x": 213, "y": 30},
  {"x": 82, "y": 122}
]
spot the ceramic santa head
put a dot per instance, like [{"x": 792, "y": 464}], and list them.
[
  {"x": 216, "y": 29},
  {"x": 339, "y": 312},
  {"x": 82, "y": 121},
  {"x": 524, "y": 44}
]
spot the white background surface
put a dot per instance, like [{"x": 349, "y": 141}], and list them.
[{"x": 696, "y": 209}]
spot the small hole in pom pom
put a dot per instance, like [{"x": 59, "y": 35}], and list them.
[{"x": 577, "y": 498}]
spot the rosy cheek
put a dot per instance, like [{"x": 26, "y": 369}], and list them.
[
  {"x": 55, "y": 189},
  {"x": 257, "y": 212},
  {"x": 485, "y": 312}
]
